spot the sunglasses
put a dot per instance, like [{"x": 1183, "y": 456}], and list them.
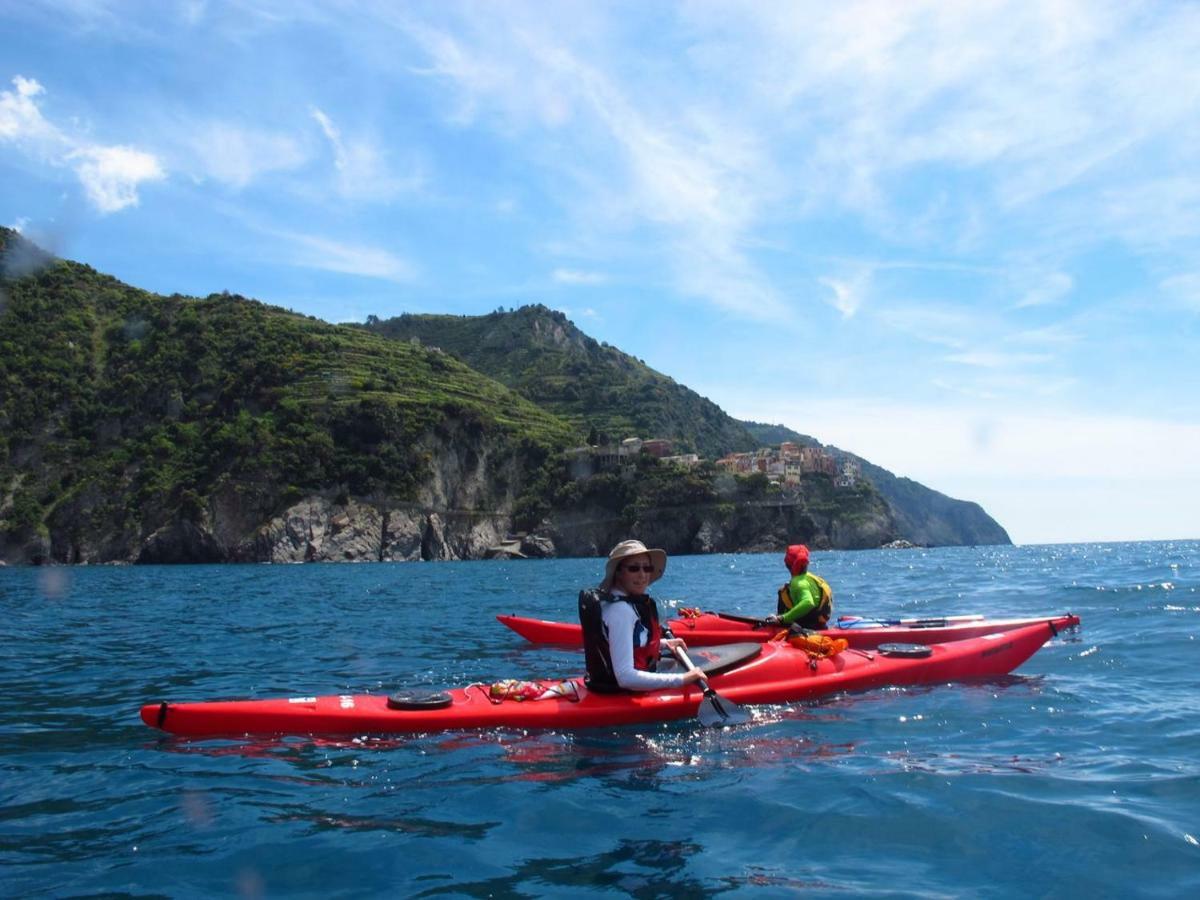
[{"x": 647, "y": 569}]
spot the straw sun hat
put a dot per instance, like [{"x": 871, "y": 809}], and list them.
[{"x": 626, "y": 549}]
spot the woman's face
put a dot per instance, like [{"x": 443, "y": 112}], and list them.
[{"x": 633, "y": 574}]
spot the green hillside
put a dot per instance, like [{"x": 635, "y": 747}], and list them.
[
  {"x": 771, "y": 435},
  {"x": 539, "y": 353},
  {"x": 139, "y": 406}
]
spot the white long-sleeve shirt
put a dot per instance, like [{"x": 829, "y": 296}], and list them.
[{"x": 624, "y": 630}]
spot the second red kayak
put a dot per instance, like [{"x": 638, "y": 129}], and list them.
[{"x": 721, "y": 628}]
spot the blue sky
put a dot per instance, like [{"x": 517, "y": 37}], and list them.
[{"x": 959, "y": 239}]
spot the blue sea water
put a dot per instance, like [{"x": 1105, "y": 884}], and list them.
[{"x": 1077, "y": 776}]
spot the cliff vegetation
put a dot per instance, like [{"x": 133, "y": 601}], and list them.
[{"x": 540, "y": 354}]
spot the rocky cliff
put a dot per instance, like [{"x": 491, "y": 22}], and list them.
[
  {"x": 762, "y": 527},
  {"x": 462, "y": 508}
]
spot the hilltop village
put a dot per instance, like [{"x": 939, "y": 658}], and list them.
[{"x": 783, "y": 465}]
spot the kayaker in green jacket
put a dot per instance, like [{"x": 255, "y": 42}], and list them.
[{"x": 806, "y": 600}]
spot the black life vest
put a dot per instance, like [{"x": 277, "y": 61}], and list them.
[
  {"x": 596, "y": 653},
  {"x": 819, "y": 616}
]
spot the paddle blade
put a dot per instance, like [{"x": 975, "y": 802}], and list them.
[{"x": 717, "y": 712}]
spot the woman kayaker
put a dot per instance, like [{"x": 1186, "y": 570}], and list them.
[
  {"x": 806, "y": 600},
  {"x": 622, "y": 637}
]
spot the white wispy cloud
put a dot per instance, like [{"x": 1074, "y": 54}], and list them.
[
  {"x": 193, "y": 11},
  {"x": 317, "y": 252},
  {"x": 361, "y": 165},
  {"x": 929, "y": 122},
  {"x": 236, "y": 154},
  {"x": 585, "y": 312},
  {"x": 955, "y": 125},
  {"x": 993, "y": 359},
  {"x": 1184, "y": 289},
  {"x": 952, "y": 328},
  {"x": 722, "y": 275},
  {"x": 450, "y": 60},
  {"x": 334, "y": 136},
  {"x": 110, "y": 174},
  {"x": 1053, "y": 288},
  {"x": 1153, "y": 213},
  {"x": 577, "y": 276},
  {"x": 1058, "y": 336},
  {"x": 21, "y": 120},
  {"x": 848, "y": 293},
  {"x": 996, "y": 383},
  {"x": 684, "y": 174}
]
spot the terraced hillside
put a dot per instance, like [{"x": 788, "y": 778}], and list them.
[{"x": 539, "y": 353}]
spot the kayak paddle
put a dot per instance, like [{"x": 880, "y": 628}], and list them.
[
  {"x": 714, "y": 709},
  {"x": 748, "y": 620},
  {"x": 932, "y": 622}
]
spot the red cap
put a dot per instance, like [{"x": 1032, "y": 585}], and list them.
[{"x": 796, "y": 559}]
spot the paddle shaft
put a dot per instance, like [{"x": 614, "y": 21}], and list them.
[
  {"x": 757, "y": 623},
  {"x": 726, "y": 711},
  {"x": 931, "y": 621},
  {"x": 681, "y": 655}
]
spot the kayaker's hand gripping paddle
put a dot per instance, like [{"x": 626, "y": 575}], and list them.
[{"x": 714, "y": 709}]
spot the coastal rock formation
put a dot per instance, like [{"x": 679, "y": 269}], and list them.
[
  {"x": 463, "y": 507},
  {"x": 465, "y": 511},
  {"x": 181, "y": 541},
  {"x": 538, "y": 546},
  {"x": 720, "y": 528},
  {"x": 320, "y": 528}
]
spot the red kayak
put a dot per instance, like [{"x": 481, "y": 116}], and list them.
[
  {"x": 722, "y": 628},
  {"x": 774, "y": 673}
]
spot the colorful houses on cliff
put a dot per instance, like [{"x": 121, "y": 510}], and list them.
[
  {"x": 789, "y": 462},
  {"x": 785, "y": 464}
]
